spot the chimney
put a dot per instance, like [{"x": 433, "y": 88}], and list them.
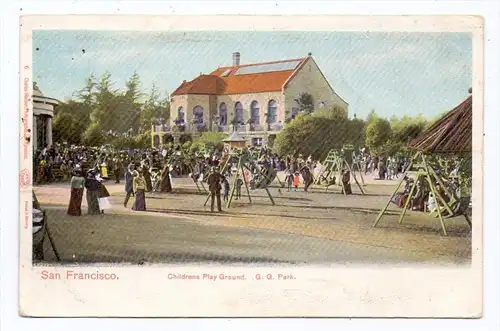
[{"x": 236, "y": 59}]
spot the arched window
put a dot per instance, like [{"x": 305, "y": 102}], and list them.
[
  {"x": 254, "y": 112},
  {"x": 295, "y": 109},
  {"x": 238, "y": 113},
  {"x": 223, "y": 114},
  {"x": 198, "y": 115},
  {"x": 181, "y": 116},
  {"x": 272, "y": 112}
]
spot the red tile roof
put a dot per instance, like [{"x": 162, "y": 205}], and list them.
[
  {"x": 450, "y": 134},
  {"x": 239, "y": 84}
]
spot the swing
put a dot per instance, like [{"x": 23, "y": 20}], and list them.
[
  {"x": 333, "y": 171},
  {"x": 443, "y": 208},
  {"x": 244, "y": 162}
]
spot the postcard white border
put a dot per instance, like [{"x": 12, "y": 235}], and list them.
[{"x": 409, "y": 279}]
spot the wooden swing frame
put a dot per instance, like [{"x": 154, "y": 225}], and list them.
[
  {"x": 240, "y": 171},
  {"x": 335, "y": 163},
  {"x": 430, "y": 176}
]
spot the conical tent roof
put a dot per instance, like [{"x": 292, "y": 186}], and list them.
[
  {"x": 234, "y": 136},
  {"x": 450, "y": 134}
]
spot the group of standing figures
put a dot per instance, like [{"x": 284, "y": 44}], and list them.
[
  {"x": 97, "y": 193},
  {"x": 137, "y": 183}
]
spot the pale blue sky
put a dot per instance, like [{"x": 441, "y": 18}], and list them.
[{"x": 393, "y": 73}]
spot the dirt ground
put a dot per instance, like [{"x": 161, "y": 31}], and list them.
[{"x": 315, "y": 227}]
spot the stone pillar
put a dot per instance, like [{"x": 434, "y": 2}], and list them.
[
  {"x": 49, "y": 131},
  {"x": 34, "y": 137}
]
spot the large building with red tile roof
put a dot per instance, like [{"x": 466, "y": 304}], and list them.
[{"x": 253, "y": 98}]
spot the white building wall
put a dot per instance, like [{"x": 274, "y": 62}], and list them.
[
  {"x": 188, "y": 102},
  {"x": 310, "y": 80}
]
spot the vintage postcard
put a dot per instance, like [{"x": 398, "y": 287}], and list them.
[{"x": 251, "y": 166}]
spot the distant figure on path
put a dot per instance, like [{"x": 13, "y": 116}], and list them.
[
  {"x": 93, "y": 187},
  {"x": 225, "y": 189},
  {"x": 214, "y": 185},
  {"x": 129, "y": 188},
  {"x": 166, "y": 185},
  {"x": 239, "y": 184},
  {"x": 147, "y": 177},
  {"x": 139, "y": 187},
  {"x": 296, "y": 181},
  {"x": 117, "y": 168},
  {"x": 307, "y": 177},
  {"x": 288, "y": 179},
  {"x": 346, "y": 182}
]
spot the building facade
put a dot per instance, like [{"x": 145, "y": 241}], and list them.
[
  {"x": 43, "y": 113},
  {"x": 253, "y": 99}
]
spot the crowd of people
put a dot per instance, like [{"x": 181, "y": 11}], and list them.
[
  {"x": 384, "y": 168},
  {"x": 152, "y": 170}
]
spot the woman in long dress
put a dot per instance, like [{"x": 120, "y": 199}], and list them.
[
  {"x": 166, "y": 185},
  {"x": 75, "y": 201},
  {"x": 139, "y": 187},
  {"x": 307, "y": 177},
  {"x": 93, "y": 189},
  {"x": 147, "y": 178}
]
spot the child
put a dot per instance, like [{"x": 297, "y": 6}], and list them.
[
  {"x": 288, "y": 179},
  {"x": 225, "y": 188},
  {"x": 239, "y": 184},
  {"x": 296, "y": 180}
]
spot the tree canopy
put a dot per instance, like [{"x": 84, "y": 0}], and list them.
[{"x": 101, "y": 111}]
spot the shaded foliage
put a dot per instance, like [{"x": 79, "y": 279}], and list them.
[
  {"x": 103, "y": 113},
  {"x": 211, "y": 141},
  {"x": 71, "y": 119},
  {"x": 378, "y": 136},
  {"x": 306, "y": 103},
  {"x": 316, "y": 136}
]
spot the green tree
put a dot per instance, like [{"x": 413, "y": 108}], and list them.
[
  {"x": 149, "y": 111},
  {"x": 407, "y": 128},
  {"x": 154, "y": 108},
  {"x": 163, "y": 111},
  {"x": 211, "y": 140},
  {"x": 371, "y": 116},
  {"x": 306, "y": 103},
  {"x": 332, "y": 113},
  {"x": 71, "y": 119},
  {"x": 378, "y": 135},
  {"x": 130, "y": 106},
  {"x": 104, "y": 110},
  {"x": 142, "y": 140},
  {"x": 356, "y": 132},
  {"x": 133, "y": 92},
  {"x": 311, "y": 135},
  {"x": 93, "y": 135},
  {"x": 87, "y": 94}
]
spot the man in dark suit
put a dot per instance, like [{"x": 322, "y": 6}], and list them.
[
  {"x": 128, "y": 184},
  {"x": 214, "y": 181}
]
